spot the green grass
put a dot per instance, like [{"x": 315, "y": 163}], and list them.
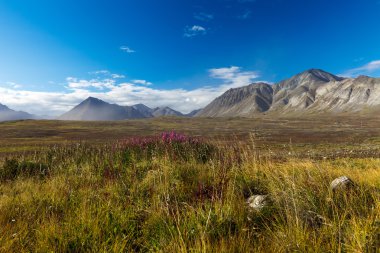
[{"x": 113, "y": 197}]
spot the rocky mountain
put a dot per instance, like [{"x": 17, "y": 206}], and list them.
[
  {"x": 7, "y": 114},
  {"x": 299, "y": 92},
  {"x": 165, "y": 111},
  {"x": 311, "y": 92},
  {"x": 144, "y": 110},
  {"x": 244, "y": 101},
  {"x": 361, "y": 94},
  {"x": 156, "y": 112},
  {"x": 93, "y": 109}
]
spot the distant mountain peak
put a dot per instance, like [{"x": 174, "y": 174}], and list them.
[
  {"x": 3, "y": 107},
  {"x": 97, "y": 110},
  {"x": 319, "y": 74},
  {"x": 316, "y": 71},
  {"x": 93, "y": 100},
  {"x": 310, "y": 78},
  {"x": 165, "y": 111},
  {"x": 7, "y": 114},
  {"x": 144, "y": 110},
  {"x": 142, "y": 105}
]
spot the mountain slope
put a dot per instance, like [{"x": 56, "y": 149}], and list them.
[
  {"x": 144, "y": 110},
  {"x": 193, "y": 113},
  {"x": 244, "y": 101},
  {"x": 351, "y": 95},
  {"x": 157, "y": 112},
  {"x": 311, "y": 92},
  {"x": 7, "y": 114},
  {"x": 298, "y": 92},
  {"x": 98, "y": 110},
  {"x": 165, "y": 111}
]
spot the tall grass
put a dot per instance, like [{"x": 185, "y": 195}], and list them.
[{"x": 173, "y": 193}]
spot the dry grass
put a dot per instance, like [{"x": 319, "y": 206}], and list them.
[{"x": 114, "y": 198}]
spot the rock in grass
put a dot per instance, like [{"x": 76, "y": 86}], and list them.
[
  {"x": 257, "y": 202},
  {"x": 313, "y": 219},
  {"x": 341, "y": 183}
]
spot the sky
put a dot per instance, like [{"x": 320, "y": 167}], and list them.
[{"x": 177, "y": 53}]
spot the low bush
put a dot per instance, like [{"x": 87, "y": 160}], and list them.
[{"x": 13, "y": 168}]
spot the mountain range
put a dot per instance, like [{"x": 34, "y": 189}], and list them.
[
  {"x": 311, "y": 92},
  {"x": 7, "y": 114},
  {"x": 97, "y": 110}
]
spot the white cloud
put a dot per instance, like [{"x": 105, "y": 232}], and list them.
[
  {"x": 246, "y": 15},
  {"x": 74, "y": 83},
  {"x": 41, "y": 103},
  {"x": 202, "y": 16},
  {"x": 194, "y": 31},
  {"x": 143, "y": 82},
  {"x": 366, "y": 69},
  {"x": 127, "y": 49},
  {"x": 234, "y": 75},
  {"x": 106, "y": 73},
  {"x": 99, "y": 72},
  {"x": 124, "y": 93},
  {"x": 117, "y": 76},
  {"x": 14, "y": 85}
]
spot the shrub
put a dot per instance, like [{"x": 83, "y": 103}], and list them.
[
  {"x": 10, "y": 170},
  {"x": 13, "y": 168}
]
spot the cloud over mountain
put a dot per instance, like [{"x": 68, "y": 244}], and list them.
[
  {"x": 124, "y": 92},
  {"x": 367, "y": 69}
]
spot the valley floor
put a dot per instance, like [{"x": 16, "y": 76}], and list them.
[{"x": 359, "y": 135}]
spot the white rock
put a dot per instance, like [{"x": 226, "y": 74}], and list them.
[
  {"x": 342, "y": 182},
  {"x": 257, "y": 202}
]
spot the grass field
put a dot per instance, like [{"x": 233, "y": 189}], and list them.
[
  {"x": 123, "y": 187},
  {"x": 361, "y": 134}
]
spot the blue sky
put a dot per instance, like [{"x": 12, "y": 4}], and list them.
[{"x": 53, "y": 54}]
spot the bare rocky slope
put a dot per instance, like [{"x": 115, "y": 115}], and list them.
[
  {"x": 311, "y": 92},
  {"x": 244, "y": 101}
]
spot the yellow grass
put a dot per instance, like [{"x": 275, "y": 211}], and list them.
[{"x": 94, "y": 201}]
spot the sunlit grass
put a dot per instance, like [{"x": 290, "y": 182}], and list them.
[{"x": 164, "y": 197}]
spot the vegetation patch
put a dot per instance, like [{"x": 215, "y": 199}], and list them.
[
  {"x": 177, "y": 193},
  {"x": 13, "y": 168}
]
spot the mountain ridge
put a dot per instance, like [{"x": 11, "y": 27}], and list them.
[
  {"x": 94, "y": 109},
  {"x": 7, "y": 114},
  {"x": 313, "y": 91}
]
